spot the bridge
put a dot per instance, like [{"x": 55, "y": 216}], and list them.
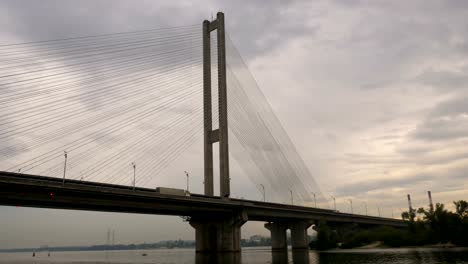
[{"x": 43, "y": 130}]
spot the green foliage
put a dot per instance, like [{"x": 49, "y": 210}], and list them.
[
  {"x": 389, "y": 236},
  {"x": 326, "y": 238},
  {"x": 461, "y": 208},
  {"x": 442, "y": 226},
  {"x": 357, "y": 239},
  {"x": 425, "y": 227},
  {"x": 409, "y": 216},
  {"x": 405, "y": 216}
]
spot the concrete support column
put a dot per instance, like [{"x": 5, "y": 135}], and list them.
[
  {"x": 218, "y": 235},
  {"x": 278, "y": 235},
  {"x": 299, "y": 239}
]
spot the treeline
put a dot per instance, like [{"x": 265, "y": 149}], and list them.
[
  {"x": 162, "y": 244},
  {"x": 256, "y": 241},
  {"x": 253, "y": 241},
  {"x": 438, "y": 225},
  {"x": 426, "y": 226}
]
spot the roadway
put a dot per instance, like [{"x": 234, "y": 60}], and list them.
[{"x": 47, "y": 192}]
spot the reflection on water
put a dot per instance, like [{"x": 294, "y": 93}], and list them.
[
  {"x": 300, "y": 256},
  {"x": 399, "y": 256},
  {"x": 248, "y": 256},
  {"x": 276, "y": 257},
  {"x": 230, "y": 258},
  {"x": 279, "y": 257}
]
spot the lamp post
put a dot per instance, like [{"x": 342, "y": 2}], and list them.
[
  {"x": 134, "y": 174},
  {"x": 263, "y": 188},
  {"x": 334, "y": 201},
  {"x": 365, "y": 206},
  {"x": 292, "y": 200},
  {"x": 186, "y": 174},
  {"x": 351, "y": 205},
  {"x": 378, "y": 210},
  {"x": 315, "y": 201},
  {"x": 64, "y": 167}
]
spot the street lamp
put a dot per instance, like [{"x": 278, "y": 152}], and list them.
[
  {"x": 378, "y": 210},
  {"x": 315, "y": 201},
  {"x": 64, "y": 167},
  {"x": 365, "y": 206},
  {"x": 334, "y": 201},
  {"x": 134, "y": 174},
  {"x": 351, "y": 204},
  {"x": 186, "y": 174},
  {"x": 263, "y": 188},
  {"x": 292, "y": 200}
]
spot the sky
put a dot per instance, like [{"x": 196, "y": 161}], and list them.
[{"x": 372, "y": 93}]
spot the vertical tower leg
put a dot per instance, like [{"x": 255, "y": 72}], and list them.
[
  {"x": 207, "y": 125},
  {"x": 223, "y": 118}
]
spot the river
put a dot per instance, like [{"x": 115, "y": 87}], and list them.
[{"x": 248, "y": 256}]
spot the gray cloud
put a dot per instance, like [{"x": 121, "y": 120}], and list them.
[
  {"x": 455, "y": 106},
  {"x": 410, "y": 183},
  {"x": 261, "y": 27},
  {"x": 371, "y": 185},
  {"x": 442, "y": 129},
  {"x": 444, "y": 80},
  {"x": 447, "y": 120}
]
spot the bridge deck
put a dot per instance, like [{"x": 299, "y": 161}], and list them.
[{"x": 46, "y": 192}]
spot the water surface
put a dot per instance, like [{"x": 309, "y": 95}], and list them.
[{"x": 248, "y": 256}]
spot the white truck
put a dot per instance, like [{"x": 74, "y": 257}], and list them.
[{"x": 172, "y": 191}]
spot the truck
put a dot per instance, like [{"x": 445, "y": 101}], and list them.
[{"x": 172, "y": 191}]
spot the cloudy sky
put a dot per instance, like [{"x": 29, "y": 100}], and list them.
[{"x": 372, "y": 93}]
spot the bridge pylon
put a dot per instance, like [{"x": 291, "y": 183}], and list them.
[
  {"x": 216, "y": 233},
  {"x": 221, "y": 134}
]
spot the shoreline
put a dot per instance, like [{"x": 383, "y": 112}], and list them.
[{"x": 380, "y": 245}]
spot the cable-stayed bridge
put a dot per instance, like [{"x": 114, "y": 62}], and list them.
[{"x": 81, "y": 114}]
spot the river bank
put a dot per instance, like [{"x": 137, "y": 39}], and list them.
[{"x": 381, "y": 245}]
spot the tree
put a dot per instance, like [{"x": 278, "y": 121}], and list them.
[
  {"x": 409, "y": 215},
  {"x": 326, "y": 238},
  {"x": 405, "y": 216},
  {"x": 461, "y": 208}
]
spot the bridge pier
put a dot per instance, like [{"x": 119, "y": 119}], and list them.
[
  {"x": 218, "y": 235},
  {"x": 278, "y": 235},
  {"x": 299, "y": 239}
]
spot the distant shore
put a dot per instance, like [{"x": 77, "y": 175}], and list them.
[
  {"x": 158, "y": 245},
  {"x": 253, "y": 241}
]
